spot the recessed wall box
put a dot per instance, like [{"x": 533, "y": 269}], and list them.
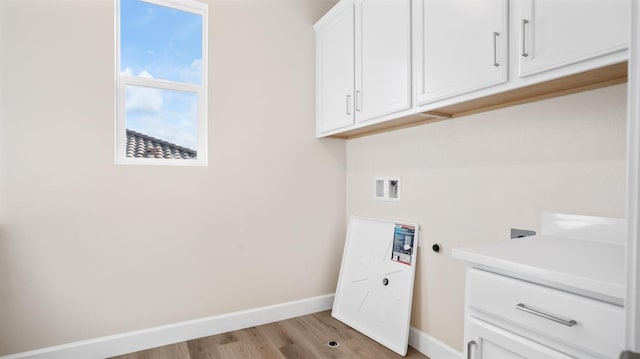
[
  {"x": 380, "y": 184},
  {"x": 387, "y": 188}
]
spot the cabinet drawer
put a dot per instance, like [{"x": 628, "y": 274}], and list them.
[{"x": 581, "y": 322}]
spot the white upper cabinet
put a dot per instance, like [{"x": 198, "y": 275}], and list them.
[
  {"x": 385, "y": 64},
  {"x": 557, "y": 33},
  {"x": 383, "y": 58},
  {"x": 363, "y": 63},
  {"x": 460, "y": 46},
  {"x": 335, "y": 58}
]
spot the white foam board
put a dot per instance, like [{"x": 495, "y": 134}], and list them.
[{"x": 375, "y": 286}]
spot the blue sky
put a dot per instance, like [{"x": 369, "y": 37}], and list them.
[{"x": 162, "y": 43}]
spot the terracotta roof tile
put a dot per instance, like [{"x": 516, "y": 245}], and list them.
[{"x": 140, "y": 145}]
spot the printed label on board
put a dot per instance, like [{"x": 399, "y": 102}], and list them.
[{"x": 403, "y": 243}]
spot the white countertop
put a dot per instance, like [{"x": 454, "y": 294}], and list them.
[{"x": 593, "y": 269}]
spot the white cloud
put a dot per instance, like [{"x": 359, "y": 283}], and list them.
[
  {"x": 127, "y": 72},
  {"x": 170, "y": 127},
  {"x": 193, "y": 73},
  {"x": 176, "y": 123},
  {"x": 163, "y": 114},
  {"x": 143, "y": 99},
  {"x": 145, "y": 74}
]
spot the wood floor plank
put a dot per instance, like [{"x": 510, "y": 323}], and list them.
[
  {"x": 278, "y": 335},
  {"x": 173, "y": 351},
  {"x": 260, "y": 345},
  {"x": 367, "y": 348},
  {"x": 318, "y": 335},
  {"x": 304, "y": 337},
  {"x": 237, "y": 350},
  {"x": 297, "y": 343},
  {"x": 323, "y": 331},
  {"x": 205, "y": 348}
]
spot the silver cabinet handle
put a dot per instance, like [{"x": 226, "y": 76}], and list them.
[
  {"x": 567, "y": 322},
  {"x": 358, "y": 96},
  {"x": 524, "y": 38},
  {"x": 349, "y": 105},
  {"x": 495, "y": 49},
  {"x": 470, "y": 344}
]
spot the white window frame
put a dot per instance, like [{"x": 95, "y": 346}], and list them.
[{"x": 122, "y": 81}]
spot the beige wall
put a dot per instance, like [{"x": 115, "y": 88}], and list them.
[
  {"x": 89, "y": 249},
  {"x": 469, "y": 180}
]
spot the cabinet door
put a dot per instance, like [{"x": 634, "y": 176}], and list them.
[
  {"x": 335, "y": 68},
  {"x": 383, "y": 58},
  {"x": 486, "y": 341},
  {"x": 461, "y": 46},
  {"x": 556, "y": 33}
]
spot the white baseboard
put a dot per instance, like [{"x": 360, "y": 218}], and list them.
[
  {"x": 130, "y": 342},
  {"x": 430, "y": 346}
]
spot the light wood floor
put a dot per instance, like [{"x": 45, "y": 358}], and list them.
[{"x": 300, "y": 338}]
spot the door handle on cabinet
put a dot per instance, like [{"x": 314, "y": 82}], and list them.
[
  {"x": 358, "y": 96},
  {"x": 567, "y": 322},
  {"x": 349, "y": 105},
  {"x": 495, "y": 49},
  {"x": 524, "y": 38},
  {"x": 470, "y": 345}
]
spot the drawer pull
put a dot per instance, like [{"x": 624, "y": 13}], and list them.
[
  {"x": 567, "y": 322},
  {"x": 524, "y": 38},
  {"x": 470, "y": 345},
  {"x": 495, "y": 49},
  {"x": 348, "y": 105}
]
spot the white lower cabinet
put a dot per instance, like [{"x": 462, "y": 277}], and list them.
[
  {"x": 486, "y": 341},
  {"x": 558, "y": 294},
  {"x": 512, "y": 318}
]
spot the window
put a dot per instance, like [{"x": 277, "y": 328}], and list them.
[{"x": 161, "y": 89}]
